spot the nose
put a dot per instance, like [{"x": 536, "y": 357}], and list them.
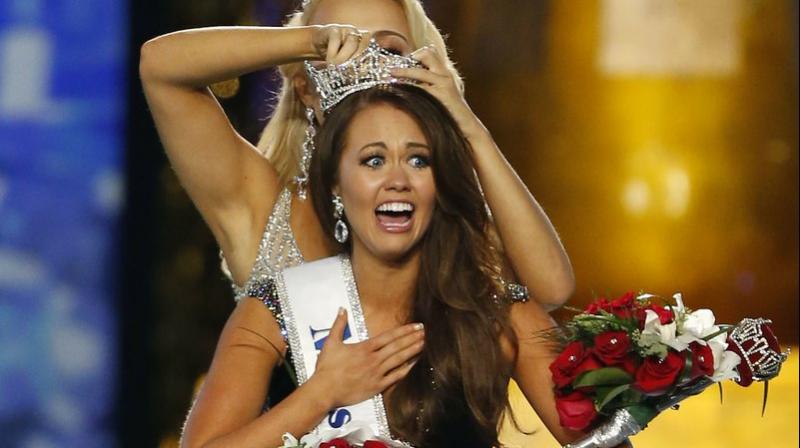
[{"x": 397, "y": 178}]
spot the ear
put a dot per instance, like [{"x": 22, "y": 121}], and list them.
[
  {"x": 307, "y": 94},
  {"x": 304, "y": 90}
]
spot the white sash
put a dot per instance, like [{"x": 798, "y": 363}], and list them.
[{"x": 310, "y": 297}]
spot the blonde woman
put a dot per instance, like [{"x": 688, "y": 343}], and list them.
[{"x": 246, "y": 198}]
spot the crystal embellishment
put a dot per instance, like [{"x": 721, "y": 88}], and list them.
[
  {"x": 371, "y": 68},
  {"x": 276, "y": 250},
  {"x": 340, "y": 232}
]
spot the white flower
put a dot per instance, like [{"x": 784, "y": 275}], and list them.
[
  {"x": 700, "y": 323},
  {"x": 697, "y": 326},
  {"x": 679, "y": 308},
  {"x": 665, "y": 332},
  {"x": 727, "y": 366},
  {"x": 290, "y": 442}
]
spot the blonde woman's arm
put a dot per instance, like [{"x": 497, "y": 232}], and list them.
[
  {"x": 230, "y": 183},
  {"x": 228, "y": 408},
  {"x": 530, "y": 242}
]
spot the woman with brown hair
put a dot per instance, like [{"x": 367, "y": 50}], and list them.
[
  {"x": 394, "y": 186},
  {"x": 247, "y": 200}
]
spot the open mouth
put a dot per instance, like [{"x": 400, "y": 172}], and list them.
[{"x": 395, "y": 216}]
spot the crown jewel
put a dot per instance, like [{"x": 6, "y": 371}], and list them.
[{"x": 369, "y": 69}]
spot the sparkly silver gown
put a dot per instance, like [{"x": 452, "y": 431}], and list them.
[{"x": 276, "y": 251}]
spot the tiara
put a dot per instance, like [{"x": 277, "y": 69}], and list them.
[
  {"x": 754, "y": 341},
  {"x": 369, "y": 69}
]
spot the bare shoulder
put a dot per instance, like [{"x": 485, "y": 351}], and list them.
[
  {"x": 251, "y": 324},
  {"x": 233, "y": 391}
]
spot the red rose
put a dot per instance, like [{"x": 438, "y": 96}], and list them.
[
  {"x": 630, "y": 364},
  {"x": 335, "y": 443},
  {"x": 599, "y": 304},
  {"x": 665, "y": 315},
  {"x": 374, "y": 444},
  {"x": 624, "y": 301},
  {"x": 655, "y": 375},
  {"x": 574, "y": 360},
  {"x": 702, "y": 360},
  {"x": 623, "y": 305},
  {"x": 612, "y": 347},
  {"x": 575, "y": 411}
]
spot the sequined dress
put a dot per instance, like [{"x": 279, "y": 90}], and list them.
[{"x": 276, "y": 251}]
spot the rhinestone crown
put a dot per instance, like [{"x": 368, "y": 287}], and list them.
[{"x": 369, "y": 69}]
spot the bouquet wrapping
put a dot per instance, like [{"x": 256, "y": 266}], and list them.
[{"x": 625, "y": 360}]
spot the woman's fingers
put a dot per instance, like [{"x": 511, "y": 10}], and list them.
[
  {"x": 337, "y": 329},
  {"x": 351, "y": 41},
  {"x": 402, "y": 354},
  {"x": 396, "y": 375},
  {"x": 422, "y": 75},
  {"x": 378, "y": 342},
  {"x": 334, "y": 42},
  {"x": 429, "y": 57},
  {"x": 400, "y": 343}
]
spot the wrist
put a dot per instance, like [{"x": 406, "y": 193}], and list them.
[
  {"x": 320, "y": 391},
  {"x": 316, "y": 48},
  {"x": 477, "y": 134},
  {"x": 469, "y": 123}
]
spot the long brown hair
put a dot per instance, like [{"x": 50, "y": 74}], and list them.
[{"x": 462, "y": 363}]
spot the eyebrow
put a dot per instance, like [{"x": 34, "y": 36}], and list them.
[
  {"x": 383, "y": 145},
  {"x": 389, "y": 33}
]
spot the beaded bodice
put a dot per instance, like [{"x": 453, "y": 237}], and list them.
[{"x": 276, "y": 251}]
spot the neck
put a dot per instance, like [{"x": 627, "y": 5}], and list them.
[{"x": 386, "y": 284}]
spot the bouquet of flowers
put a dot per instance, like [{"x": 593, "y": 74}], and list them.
[
  {"x": 627, "y": 359},
  {"x": 353, "y": 435}
]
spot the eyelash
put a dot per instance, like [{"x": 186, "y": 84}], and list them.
[
  {"x": 425, "y": 162},
  {"x": 395, "y": 45},
  {"x": 423, "y": 159}
]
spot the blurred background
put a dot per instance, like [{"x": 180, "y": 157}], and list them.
[{"x": 660, "y": 136}]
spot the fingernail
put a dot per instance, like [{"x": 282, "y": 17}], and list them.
[
  {"x": 419, "y": 327},
  {"x": 341, "y": 311}
]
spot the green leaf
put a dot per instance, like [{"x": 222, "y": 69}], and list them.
[
  {"x": 686, "y": 373},
  {"x": 642, "y": 413},
  {"x": 723, "y": 329},
  {"x": 573, "y": 309},
  {"x": 606, "y": 394},
  {"x": 605, "y": 376}
]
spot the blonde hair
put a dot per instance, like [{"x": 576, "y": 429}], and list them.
[{"x": 283, "y": 136}]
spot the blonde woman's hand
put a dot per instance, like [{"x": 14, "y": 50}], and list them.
[
  {"x": 436, "y": 79},
  {"x": 352, "y": 373},
  {"x": 337, "y": 43}
]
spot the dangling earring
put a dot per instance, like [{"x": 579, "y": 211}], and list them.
[
  {"x": 305, "y": 159},
  {"x": 340, "y": 231}
]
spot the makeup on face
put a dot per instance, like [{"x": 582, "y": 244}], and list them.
[{"x": 386, "y": 181}]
